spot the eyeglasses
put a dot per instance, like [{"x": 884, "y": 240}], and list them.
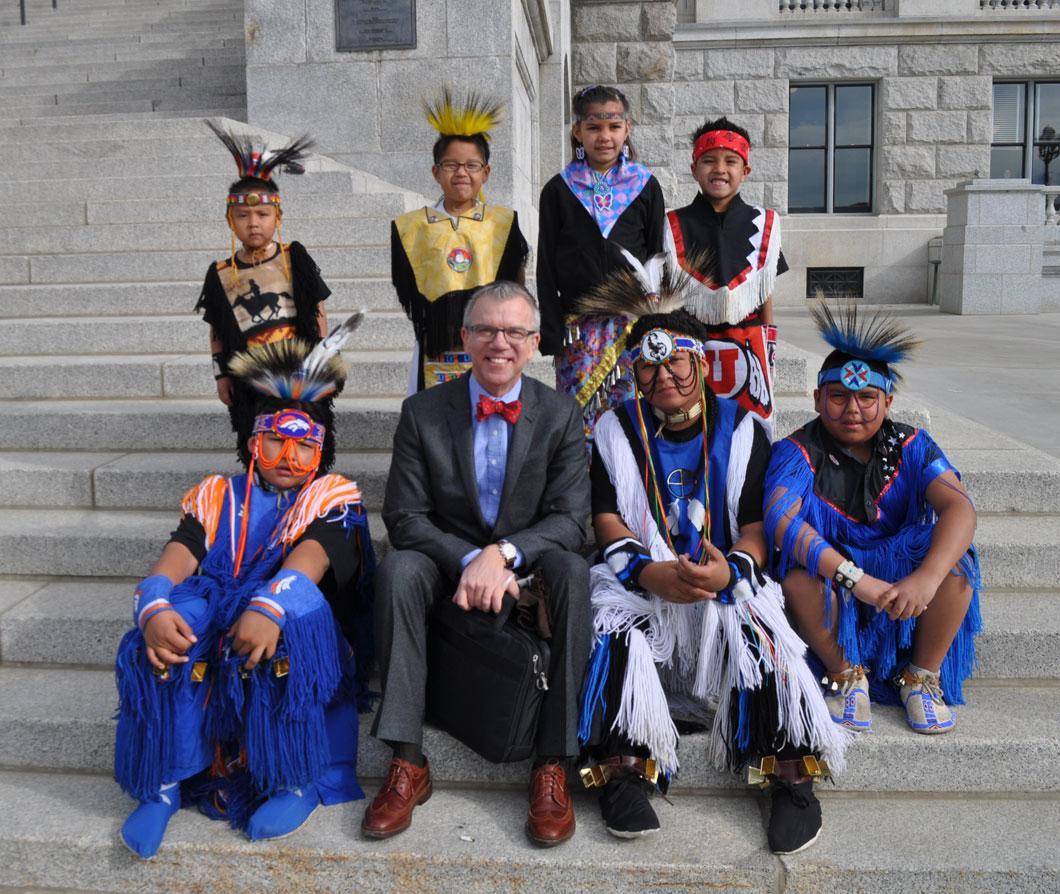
[
  {"x": 451, "y": 167},
  {"x": 514, "y": 335}
]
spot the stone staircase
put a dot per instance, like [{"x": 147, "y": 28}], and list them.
[
  {"x": 110, "y": 216},
  {"x": 106, "y": 58}
]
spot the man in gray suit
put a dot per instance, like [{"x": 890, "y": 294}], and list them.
[{"x": 488, "y": 481}]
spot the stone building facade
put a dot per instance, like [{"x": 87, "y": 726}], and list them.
[
  {"x": 932, "y": 66},
  {"x": 928, "y": 69}
]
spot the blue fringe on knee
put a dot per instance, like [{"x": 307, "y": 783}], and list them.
[{"x": 595, "y": 681}]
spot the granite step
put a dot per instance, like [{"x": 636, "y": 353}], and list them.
[
  {"x": 349, "y": 232},
  {"x": 55, "y": 718},
  {"x": 145, "y": 187},
  {"x": 117, "y": 87},
  {"x": 43, "y": 336},
  {"x": 206, "y": 211},
  {"x": 156, "y": 480},
  {"x": 378, "y": 368},
  {"x": 92, "y": 542},
  {"x": 364, "y": 423},
  {"x": 228, "y": 111},
  {"x": 80, "y": 623},
  {"x": 113, "y": 72},
  {"x": 188, "y": 101},
  {"x": 162, "y": 298},
  {"x": 473, "y": 841},
  {"x": 87, "y": 131},
  {"x": 144, "y": 480},
  {"x": 372, "y": 374},
  {"x": 108, "y": 47},
  {"x": 167, "y": 266},
  {"x": 1016, "y": 552},
  {"x": 124, "y": 161},
  {"x": 139, "y": 54}
]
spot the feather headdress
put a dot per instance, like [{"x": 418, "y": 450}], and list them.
[
  {"x": 476, "y": 116},
  {"x": 654, "y": 287},
  {"x": 291, "y": 369},
  {"x": 879, "y": 339},
  {"x": 254, "y": 158}
]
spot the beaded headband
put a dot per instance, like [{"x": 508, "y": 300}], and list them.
[
  {"x": 252, "y": 199},
  {"x": 659, "y": 345},
  {"x": 291, "y": 424},
  {"x": 855, "y": 375},
  {"x": 721, "y": 139}
]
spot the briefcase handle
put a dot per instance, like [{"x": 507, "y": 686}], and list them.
[{"x": 508, "y": 604}]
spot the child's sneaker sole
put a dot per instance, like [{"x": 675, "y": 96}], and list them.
[{"x": 801, "y": 847}]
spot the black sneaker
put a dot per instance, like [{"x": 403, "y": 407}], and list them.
[
  {"x": 795, "y": 820},
  {"x": 626, "y": 810}
]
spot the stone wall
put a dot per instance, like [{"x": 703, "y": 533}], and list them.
[
  {"x": 364, "y": 107},
  {"x": 629, "y": 43},
  {"x": 933, "y": 128}
]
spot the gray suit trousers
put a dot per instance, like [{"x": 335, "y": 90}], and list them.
[{"x": 407, "y": 586}]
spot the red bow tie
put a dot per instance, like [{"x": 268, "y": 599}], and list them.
[{"x": 487, "y": 407}]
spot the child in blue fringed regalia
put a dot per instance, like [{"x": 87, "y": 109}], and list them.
[
  {"x": 874, "y": 537},
  {"x": 686, "y": 624},
  {"x": 238, "y": 688},
  {"x": 598, "y": 211}
]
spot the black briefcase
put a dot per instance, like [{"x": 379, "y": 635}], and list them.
[{"x": 486, "y": 680}]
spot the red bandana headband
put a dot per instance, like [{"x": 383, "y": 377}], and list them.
[{"x": 721, "y": 139}]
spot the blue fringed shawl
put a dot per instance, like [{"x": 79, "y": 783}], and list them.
[
  {"x": 279, "y": 721},
  {"x": 890, "y": 548}
]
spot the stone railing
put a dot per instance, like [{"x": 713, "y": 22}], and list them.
[
  {"x": 832, "y": 12},
  {"x": 1018, "y": 5},
  {"x": 789, "y": 6},
  {"x": 1052, "y": 200}
]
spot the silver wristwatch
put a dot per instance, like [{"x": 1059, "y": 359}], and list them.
[
  {"x": 508, "y": 552},
  {"x": 847, "y": 575}
]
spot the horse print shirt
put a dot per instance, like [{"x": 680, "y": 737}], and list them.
[
  {"x": 260, "y": 303},
  {"x": 262, "y": 299}
]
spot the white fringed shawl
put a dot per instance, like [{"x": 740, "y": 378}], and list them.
[{"x": 689, "y": 642}]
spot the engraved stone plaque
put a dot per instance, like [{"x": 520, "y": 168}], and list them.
[{"x": 375, "y": 25}]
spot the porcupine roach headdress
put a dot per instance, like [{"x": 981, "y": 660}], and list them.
[
  {"x": 296, "y": 384},
  {"x": 654, "y": 287},
  {"x": 255, "y": 163},
  {"x": 477, "y": 116},
  {"x": 864, "y": 352},
  {"x": 474, "y": 119}
]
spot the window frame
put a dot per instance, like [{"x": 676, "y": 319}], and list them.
[
  {"x": 1029, "y": 141},
  {"x": 830, "y": 144}
]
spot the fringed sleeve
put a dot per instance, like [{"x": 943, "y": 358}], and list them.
[
  {"x": 548, "y": 298},
  {"x": 516, "y": 253},
  {"x": 657, "y": 225},
  {"x": 309, "y": 290},
  {"x": 213, "y": 304},
  {"x": 436, "y": 324},
  {"x": 205, "y": 503},
  {"x": 789, "y": 490},
  {"x": 331, "y": 513}
]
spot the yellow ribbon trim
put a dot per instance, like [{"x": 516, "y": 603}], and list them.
[{"x": 603, "y": 367}]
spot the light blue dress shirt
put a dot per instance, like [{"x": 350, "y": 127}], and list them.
[{"x": 490, "y": 440}]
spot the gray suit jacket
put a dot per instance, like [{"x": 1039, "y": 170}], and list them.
[{"x": 432, "y": 504}]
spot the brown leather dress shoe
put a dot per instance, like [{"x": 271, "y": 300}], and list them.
[
  {"x": 551, "y": 817},
  {"x": 390, "y": 812}
]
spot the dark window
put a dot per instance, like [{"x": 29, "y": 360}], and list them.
[
  {"x": 1026, "y": 131},
  {"x": 835, "y": 282},
  {"x": 831, "y": 132},
  {"x": 1007, "y": 147}
]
